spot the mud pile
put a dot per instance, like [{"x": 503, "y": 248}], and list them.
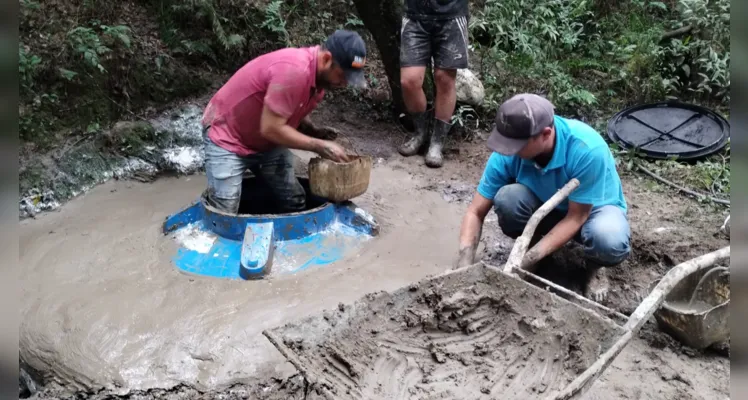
[{"x": 472, "y": 334}]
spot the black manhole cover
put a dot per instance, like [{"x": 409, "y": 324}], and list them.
[{"x": 670, "y": 130}]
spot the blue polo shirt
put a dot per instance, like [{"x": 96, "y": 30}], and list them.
[{"x": 580, "y": 153}]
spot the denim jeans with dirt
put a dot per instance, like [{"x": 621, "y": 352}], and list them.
[
  {"x": 605, "y": 236},
  {"x": 274, "y": 168}
]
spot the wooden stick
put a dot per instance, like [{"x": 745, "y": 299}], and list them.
[
  {"x": 678, "y": 32},
  {"x": 290, "y": 356},
  {"x": 642, "y": 313},
  {"x": 672, "y": 278},
  {"x": 608, "y": 311},
  {"x": 523, "y": 242},
  {"x": 297, "y": 363},
  {"x": 681, "y": 188}
]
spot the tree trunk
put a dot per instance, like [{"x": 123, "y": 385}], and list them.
[{"x": 384, "y": 19}]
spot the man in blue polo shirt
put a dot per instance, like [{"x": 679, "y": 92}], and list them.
[{"x": 535, "y": 154}]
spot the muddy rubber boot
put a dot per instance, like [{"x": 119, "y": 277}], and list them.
[
  {"x": 416, "y": 143},
  {"x": 434, "y": 157}
]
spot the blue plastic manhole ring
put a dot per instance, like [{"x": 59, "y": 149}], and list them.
[{"x": 670, "y": 129}]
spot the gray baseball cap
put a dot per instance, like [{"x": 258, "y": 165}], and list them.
[{"x": 517, "y": 120}]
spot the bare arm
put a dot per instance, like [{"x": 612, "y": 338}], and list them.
[
  {"x": 274, "y": 128},
  {"x": 472, "y": 228},
  {"x": 561, "y": 234}
]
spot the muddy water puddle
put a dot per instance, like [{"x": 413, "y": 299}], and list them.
[{"x": 104, "y": 307}]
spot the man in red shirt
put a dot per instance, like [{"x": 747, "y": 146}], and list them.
[{"x": 256, "y": 117}]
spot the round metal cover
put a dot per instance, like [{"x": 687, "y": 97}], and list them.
[{"x": 670, "y": 130}]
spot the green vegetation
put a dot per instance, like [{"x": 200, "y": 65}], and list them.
[
  {"x": 85, "y": 64},
  {"x": 594, "y": 58}
]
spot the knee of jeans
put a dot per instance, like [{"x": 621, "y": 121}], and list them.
[
  {"x": 510, "y": 198},
  {"x": 225, "y": 191},
  {"x": 607, "y": 244},
  {"x": 509, "y": 205},
  {"x": 223, "y": 183}
]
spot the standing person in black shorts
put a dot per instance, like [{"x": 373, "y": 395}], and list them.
[{"x": 438, "y": 29}]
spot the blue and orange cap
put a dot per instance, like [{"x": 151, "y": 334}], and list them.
[{"x": 349, "y": 51}]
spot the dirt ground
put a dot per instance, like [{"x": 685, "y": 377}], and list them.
[{"x": 420, "y": 211}]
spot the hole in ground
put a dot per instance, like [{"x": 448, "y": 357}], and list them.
[{"x": 258, "y": 199}]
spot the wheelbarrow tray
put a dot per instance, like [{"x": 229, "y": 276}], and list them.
[
  {"x": 698, "y": 326},
  {"x": 473, "y": 333}
]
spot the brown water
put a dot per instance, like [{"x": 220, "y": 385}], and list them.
[
  {"x": 695, "y": 307},
  {"x": 103, "y": 305}
]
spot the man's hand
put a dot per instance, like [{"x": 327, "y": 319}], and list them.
[
  {"x": 471, "y": 228},
  {"x": 466, "y": 257},
  {"x": 529, "y": 263},
  {"x": 558, "y": 236},
  {"x": 332, "y": 151}
]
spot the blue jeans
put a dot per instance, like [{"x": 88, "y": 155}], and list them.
[
  {"x": 225, "y": 172},
  {"x": 605, "y": 236}
]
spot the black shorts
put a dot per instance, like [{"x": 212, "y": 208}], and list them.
[{"x": 444, "y": 40}]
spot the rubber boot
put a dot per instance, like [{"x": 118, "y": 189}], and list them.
[
  {"x": 416, "y": 143},
  {"x": 434, "y": 157}
]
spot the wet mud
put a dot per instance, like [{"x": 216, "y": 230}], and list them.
[
  {"x": 104, "y": 308},
  {"x": 473, "y": 334},
  {"x": 106, "y": 315}
]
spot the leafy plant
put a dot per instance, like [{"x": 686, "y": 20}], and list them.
[
  {"x": 28, "y": 67},
  {"x": 274, "y": 21},
  {"x": 354, "y": 21},
  {"x": 207, "y": 10},
  {"x": 90, "y": 45},
  {"x": 700, "y": 61}
]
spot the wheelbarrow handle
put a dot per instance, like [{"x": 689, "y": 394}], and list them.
[
  {"x": 519, "y": 250},
  {"x": 652, "y": 302}
]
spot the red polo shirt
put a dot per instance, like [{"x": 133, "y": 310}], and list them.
[{"x": 284, "y": 80}]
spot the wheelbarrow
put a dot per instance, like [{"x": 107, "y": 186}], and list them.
[
  {"x": 474, "y": 332},
  {"x": 696, "y": 311}
]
